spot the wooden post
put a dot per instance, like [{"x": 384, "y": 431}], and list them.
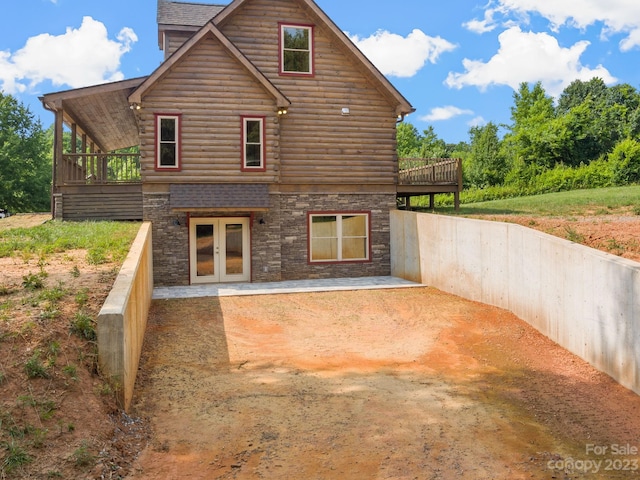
[
  {"x": 58, "y": 149},
  {"x": 456, "y": 195},
  {"x": 74, "y": 138},
  {"x": 432, "y": 201}
]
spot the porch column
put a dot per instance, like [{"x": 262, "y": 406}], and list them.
[{"x": 56, "y": 168}]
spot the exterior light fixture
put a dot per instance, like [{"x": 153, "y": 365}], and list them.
[
  {"x": 135, "y": 106},
  {"x": 282, "y": 110},
  {"x": 346, "y": 111}
]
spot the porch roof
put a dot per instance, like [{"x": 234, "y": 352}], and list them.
[
  {"x": 102, "y": 112},
  {"x": 220, "y": 197}
]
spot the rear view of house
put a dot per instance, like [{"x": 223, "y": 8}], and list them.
[{"x": 267, "y": 146}]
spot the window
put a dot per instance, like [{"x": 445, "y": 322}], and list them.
[
  {"x": 167, "y": 142},
  {"x": 296, "y": 49},
  {"x": 339, "y": 237},
  {"x": 253, "y": 144}
]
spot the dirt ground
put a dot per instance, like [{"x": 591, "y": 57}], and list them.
[
  {"x": 390, "y": 384},
  {"x": 615, "y": 234},
  {"x": 24, "y": 220},
  {"x": 61, "y": 421}
]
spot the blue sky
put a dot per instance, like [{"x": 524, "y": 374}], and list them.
[{"x": 457, "y": 62}]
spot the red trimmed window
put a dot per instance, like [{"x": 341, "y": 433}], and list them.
[
  {"x": 253, "y": 145},
  {"x": 167, "y": 142},
  {"x": 296, "y": 49},
  {"x": 339, "y": 237}
]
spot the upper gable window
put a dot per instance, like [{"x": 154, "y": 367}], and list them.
[
  {"x": 167, "y": 142},
  {"x": 253, "y": 144},
  {"x": 296, "y": 49}
]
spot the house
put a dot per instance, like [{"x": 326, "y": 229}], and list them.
[{"x": 267, "y": 147}]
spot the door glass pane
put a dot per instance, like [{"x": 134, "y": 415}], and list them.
[
  {"x": 204, "y": 249},
  {"x": 234, "y": 249}
]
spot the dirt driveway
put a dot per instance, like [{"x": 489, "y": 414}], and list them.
[{"x": 389, "y": 384}]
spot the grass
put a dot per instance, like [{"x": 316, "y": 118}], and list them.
[
  {"x": 16, "y": 457},
  {"x": 576, "y": 202},
  {"x": 104, "y": 241},
  {"x": 82, "y": 325}
]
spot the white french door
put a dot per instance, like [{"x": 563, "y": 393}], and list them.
[{"x": 219, "y": 250}]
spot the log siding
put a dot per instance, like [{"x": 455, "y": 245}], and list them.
[
  {"x": 212, "y": 93},
  {"x": 314, "y": 144}
]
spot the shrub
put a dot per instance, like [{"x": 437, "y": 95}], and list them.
[{"x": 625, "y": 162}]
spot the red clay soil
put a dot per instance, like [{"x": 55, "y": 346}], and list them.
[{"x": 390, "y": 384}]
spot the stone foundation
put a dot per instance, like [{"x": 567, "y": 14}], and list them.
[{"x": 279, "y": 241}]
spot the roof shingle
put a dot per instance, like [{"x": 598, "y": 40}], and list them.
[
  {"x": 186, "y": 14},
  {"x": 218, "y": 196}
]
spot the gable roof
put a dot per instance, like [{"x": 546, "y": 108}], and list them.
[
  {"x": 100, "y": 111},
  {"x": 209, "y": 29},
  {"x": 186, "y": 14},
  {"x": 403, "y": 107}
]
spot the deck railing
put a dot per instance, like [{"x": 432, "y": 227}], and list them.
[
  {"x": 429, "y": 171},
  {"x": 99, "y": 169}
]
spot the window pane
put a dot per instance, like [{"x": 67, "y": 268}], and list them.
[
  {"x": 167, "y": 130},
  {"x": 253, "y": 132},
  {"x": 254, "y": 156},
  {"x": 295, "y": 61},
  {"x": 234, "y": 250},
  {"x": 168, "y": 154},
  {"x": 324, "y": 249},
  {"x": 296, "y": 38},
  {"x": 324, "y": 226},
  {"x": 354, "y": 248},
  {"x": 354, "y": 226},
  {"x": 204, "y": 245}
]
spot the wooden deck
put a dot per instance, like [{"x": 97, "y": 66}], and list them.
[
  {"x": 429, "y": 176},
  {"x": 97, "y": 186}
]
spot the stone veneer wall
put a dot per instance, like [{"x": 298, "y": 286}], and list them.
[
  {"x": 170, "y": 240},
  {"x": 294, "y": 210},
  {"x": 279, "y": 247}
]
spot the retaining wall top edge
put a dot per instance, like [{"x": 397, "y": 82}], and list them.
[
  {"x": 562, "y": 241},
  {"x": 123, "y": 284}
]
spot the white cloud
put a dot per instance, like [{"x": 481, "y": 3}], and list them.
[
  {"x": 485, "y": 25},
  {"x": 400, "y": 56},
  {"x": 617, "y": 16},
  {"x": 444, "y": 113},
  {"x": 80, "y": 57},
  {"x": 529, "y": 57},
  {"x": 477, "y": 122}
]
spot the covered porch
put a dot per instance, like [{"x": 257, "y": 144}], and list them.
[{"x": 96, "y": 164}]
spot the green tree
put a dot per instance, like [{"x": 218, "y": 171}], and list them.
[
  {"x": 408, "y": 140},
  {"x": 25, "y": 159},
  {"x": 578, "y": 91},
  {"x": 533, "y": 137},
  {"x": 486, "y": 166}
]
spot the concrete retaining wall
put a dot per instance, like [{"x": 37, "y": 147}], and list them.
[
  {"x": 123, "y": 318},
  {"x": 585, "y": 300}
]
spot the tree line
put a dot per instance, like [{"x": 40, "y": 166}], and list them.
[{"x": 589, "y": 138}]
